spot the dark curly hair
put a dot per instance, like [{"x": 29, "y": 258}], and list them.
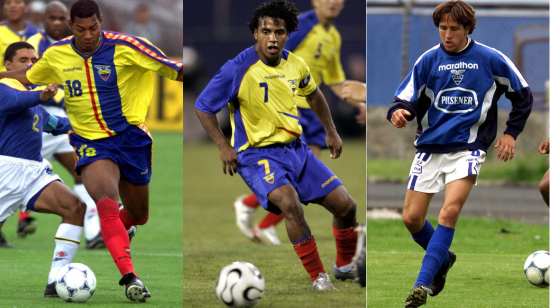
[{"x": 276, "y": 9}]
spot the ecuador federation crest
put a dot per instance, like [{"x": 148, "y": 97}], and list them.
[
  {"x": 104, "y": 71},
  {"x": 293, "y": 84},
  {"x": 457, "y": 76},
  {"x": 270, "y": 178}
]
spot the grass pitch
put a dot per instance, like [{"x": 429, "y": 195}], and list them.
[
  {"x": 488, "y": 271},
  {"x": 156, "y": 249},
  {"x": 212, "y": 240}
]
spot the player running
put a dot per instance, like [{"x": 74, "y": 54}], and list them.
[
  {"x": 261, "y": 86},
  {"x": 317, "y": 42},
  {"x": 544, "y": 184},
  {"x": 58, "y": 147},
  {"x": 108, "y": 87},
  {"x": 26, "y": 179},
  {"x": 453, "y": 91}
]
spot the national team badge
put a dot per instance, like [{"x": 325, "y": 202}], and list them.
[
  {"x": 457, "y": 76},
  {"x": 270, "y": 178},
  {"x": 128, "y": 251},
  {"x": 293, "y": 84},
  {"x": 104, "y": 71},
  {"x": 61, "y": 254}
]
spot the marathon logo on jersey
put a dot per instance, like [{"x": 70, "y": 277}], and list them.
[
  {"x": 458, "y": 66},
  {"x": 456, "y": 100},
  {"x": 270, "y": 178},
  {"x": 104, "y": 71},
  {"x": 293, "y": 84},
  {"x": 72, "y": 69}
]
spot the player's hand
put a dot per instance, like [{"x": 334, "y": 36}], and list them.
[
  {"x": 398, "y": 118},
  {"x": 544, "y": 147},
  {"x": 334, "y": 144},
  {"x": 228, "y": 155},
  {"x": 353, "y": 91},
  {"x": 506, "y": 150},
  {"x": 49, "y": 92},
  {"x": 362, "y": 116}
]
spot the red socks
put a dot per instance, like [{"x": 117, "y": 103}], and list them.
[
  {"x": 270, "y": 220},
  {"x": 346, "y": 242},
  {"x": 23, "y": 215},
  {"x": 127, "y": 221},
  {"x": 251, "y": 201},
  {"x": 306, "y": 250},
  {"x": 115, "y": 236}
]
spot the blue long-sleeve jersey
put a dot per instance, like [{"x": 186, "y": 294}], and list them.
[
  {"x": 22, "y": 121},
  {"x": 454, "y": 98}
]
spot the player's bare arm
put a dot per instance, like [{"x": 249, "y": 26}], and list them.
[
  {"x": 180, "y": 75},
  {"x": 339, "y": 90},
  {"x": 18, "y": 74},
  {"x": 544, "y": 147},
  {"x": 398, "y": 118},
  {"x": 506, "y": 146},
  {"x": 354, "y": 91},
  {"x": 318, "y": 104},
  {"x": 228, "y": 155}
]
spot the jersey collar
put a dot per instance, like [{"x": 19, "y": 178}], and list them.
[
  {"x": 91, "y": 53},
  {"x": 463, "y": 51}
]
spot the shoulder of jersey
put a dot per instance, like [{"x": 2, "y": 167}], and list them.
[
  {"x": 246, "y": 57},
  {"x": 62, "y": 42},
  {"x": 13, "y": 83}
]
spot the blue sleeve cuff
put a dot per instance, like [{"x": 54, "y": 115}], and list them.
[{"x": 52, "y": 124}]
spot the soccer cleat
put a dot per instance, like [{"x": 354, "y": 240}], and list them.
[
  {"x": 322, "y": 283},
  {"x": 417, "y": 297},
  {"x": 245, "y": 217},
  {"x": 3, "y": 242},
  {"x": 268, "y": 235},
  {"x": 345, "y": 274},
  {"x": 96, "y": 243},
  {"x": 131, "y": 232},
  {"x": 50, "y": 290},
  {"x": 25, "y": 226},
  {"x": 135, "y": 289},
  {"x": 438, "y": 282}
]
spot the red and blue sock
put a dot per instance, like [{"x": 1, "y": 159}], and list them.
[{"x": 306, "y": 249}]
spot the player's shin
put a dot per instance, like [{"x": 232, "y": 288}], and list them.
[
  {"x": 67, "y": 240},
  {"x": 114, "y": 234},
  {"x": 306, "y": 249},
  {"x": 437, "y": 254},
  {"x": 346, "y": 244},
  {"x": 91, "y": 219},
  {"x": 423, "y": 236}
]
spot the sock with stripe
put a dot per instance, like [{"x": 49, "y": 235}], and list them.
[
  {"x": 91, "y": 219},
  {"x": 437, "y": 254},
  {"x": 251, "y": 201},
  {"x": 346, "y": 244},
  {"x": 306, "y": 249},
  {"x": 23, "y": 215},
  {"x": 67, "y": 240},
  {"x": 115, "y": 235},
  {"x": 423, "y": 236},
  {"x": 270, "y": 220}
]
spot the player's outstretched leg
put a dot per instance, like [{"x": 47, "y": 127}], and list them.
[
  {"x": 265, "y": 230},
  {"x": 61, "y": 200},
  {"x": 245, "y": 208}
]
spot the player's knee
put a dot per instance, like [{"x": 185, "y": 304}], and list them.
[
  {"x": 544, "y": 187},
  {"x": 412, "y": 222},
  {"x": 449, "y": 215},
  {"x": 74, "y": 209},
  {"x": 347, "y": 207},
  {"x": 291, "y": 208}
]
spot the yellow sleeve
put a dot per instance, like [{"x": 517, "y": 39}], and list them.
[
  {"x": 40, "y": 72},
  {"x": 333, "y": 73},
  {"x": 307, "y": 84},
  {"x": 149, "y": 58},
  {"x": 34, "y": 41}
]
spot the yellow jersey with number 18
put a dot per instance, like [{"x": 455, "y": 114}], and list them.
[
  {"x": 109, "y": 89},
  {"x": 261, "y": 98}
]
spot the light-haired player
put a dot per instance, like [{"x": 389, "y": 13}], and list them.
[
  {"x": 26, "y": 179},
  {"x": 57, "y": 147},
  {"x": 453, "y": 91},
  {"x": 318, "y": 43}
]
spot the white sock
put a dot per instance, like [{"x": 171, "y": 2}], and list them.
[
  {"x": 67, "y": 240},
  {"x": 91, "y": 219}
]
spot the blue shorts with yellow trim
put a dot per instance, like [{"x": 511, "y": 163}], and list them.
[
  {"x": 312, "y": 129},
  {"x": 131, "y": 150},
  {"x": 267, "y": 168}
]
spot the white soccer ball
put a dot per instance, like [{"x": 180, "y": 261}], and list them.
[
  {"x": 240, "y": 284},
  {"x": 75, "y": 282},
  {"x": 536, "y": 268}
]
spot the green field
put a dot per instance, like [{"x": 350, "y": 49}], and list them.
[
  {"x": 488, "y": 271},
  {"x": 212, "y": 240},
  {"x": 156, "y": 249}
]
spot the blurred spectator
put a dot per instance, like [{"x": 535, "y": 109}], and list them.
[
  {"x": 36, "y": 10},
  {"x": 143, "y": 26}
]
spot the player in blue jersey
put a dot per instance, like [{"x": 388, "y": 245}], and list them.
[
  {"x": 261, "y": 86},
  {"x": 57, "y": 147},
  {"x": 26, "y": 179},
  {"x": 453, "y": 91},
  {"x": 544, "y": 185}
]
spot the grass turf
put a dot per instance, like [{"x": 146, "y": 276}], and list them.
[
  {"x": 488, "y": 271},
  {"x": 212, "y": 240},
  {"x": 156, "y": 249}
]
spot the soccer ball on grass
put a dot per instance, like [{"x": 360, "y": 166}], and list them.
[
  {"x": 240, "y": 284},
  {"x": 75, "y": 282},
  {"x": 536, "y": 268}
]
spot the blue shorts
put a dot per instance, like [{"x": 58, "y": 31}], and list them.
[
  {"x": 312, "y": 129},
  {"x": 131, "y": 150},
  {"x": 267, "y": 168}
]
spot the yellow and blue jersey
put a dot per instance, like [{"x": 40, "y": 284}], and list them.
[
  {"x": 319, "y": 48},
  {"x": 9, "y": 36},
  {"x": 40, "y": 41},
  {"x": 261, "y": 98},
  {"x": 109, "y": 89}
]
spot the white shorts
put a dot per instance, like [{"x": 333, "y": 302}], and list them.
[
  {"x": 21, "y": 181},
  {"x": 51, "y": 144},
  {"x": 431, "y": 172}
]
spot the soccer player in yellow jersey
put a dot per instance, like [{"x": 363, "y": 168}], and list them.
[
  {"x": 108, "y": 85},
  {"x": 262, "y": 85},
  {"x": 14, "y": 28}
]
